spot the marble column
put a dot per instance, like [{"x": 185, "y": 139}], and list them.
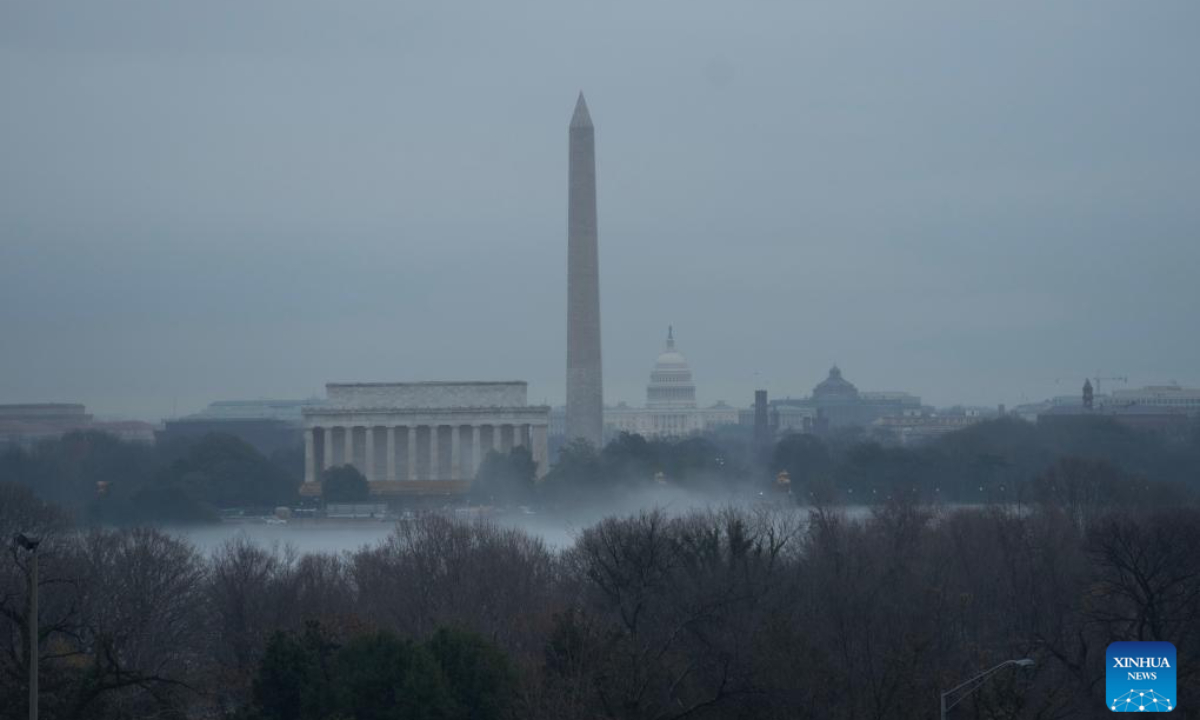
[
  {"x": 496, "y": 444},
  {"x": 369, "y": 454},
  {"x": 518, "y": 431},
  {"x": 475, "y": 459},
  {"x": 455, "y": 456},
  {"x": 348, "y": 451},
  {"x": 412, "y": 452},
  {"x": 433, "y": 452},
  {"x": 327, "y": 461},
  {"x": 310, "y": 474},
  {"x": 390, "y": 464}
]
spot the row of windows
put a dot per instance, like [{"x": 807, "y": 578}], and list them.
[{"x": 1164, "y": 401}]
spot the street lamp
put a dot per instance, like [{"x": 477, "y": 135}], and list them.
[
  {"x": 976, "y": 682},
  {"x": 31, "y": 544}
]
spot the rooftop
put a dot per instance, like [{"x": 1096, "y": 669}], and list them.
[{"x": 427, "y": 383}]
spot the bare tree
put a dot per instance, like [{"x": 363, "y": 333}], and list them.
[
  {"x": 674, "y": 610},
  {"x": 142, "y": 619},
  {"x": 434, "y": 571},
  {"x": 250, "y": 593},
  {"x": 1147, "y": 575}
]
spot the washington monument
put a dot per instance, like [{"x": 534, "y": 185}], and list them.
[{"x": 585, "y": 393}]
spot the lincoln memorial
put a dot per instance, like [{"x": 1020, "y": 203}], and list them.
[{"x": 424, "y": 438}]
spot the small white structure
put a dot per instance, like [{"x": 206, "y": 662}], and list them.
[{"x": 420, "y": 438}]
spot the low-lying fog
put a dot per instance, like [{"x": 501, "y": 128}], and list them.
[
  {"x": 333, "y": 536},
  {"x": 336, "y": 536}
]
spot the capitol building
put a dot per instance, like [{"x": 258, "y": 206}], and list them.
[{"x": 671, "y": 409}]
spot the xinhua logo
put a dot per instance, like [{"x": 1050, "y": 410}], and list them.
[{"x": 1141, "y": 677}]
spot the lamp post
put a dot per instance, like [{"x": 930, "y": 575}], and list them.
[
  {"x": 976, "y": 682},
  {"x": 31, "y": 544}
]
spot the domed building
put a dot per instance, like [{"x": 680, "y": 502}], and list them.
[
  {"x": 838, "y": 403},
  {"x": 671, "y": 409},
  {"x": 835, "y": 390},
  {"x": 671, "y": 383}
]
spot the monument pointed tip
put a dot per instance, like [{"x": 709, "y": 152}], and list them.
[{"x": 581, "y": 118}]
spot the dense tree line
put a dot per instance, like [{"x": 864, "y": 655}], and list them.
[
  {"x": 507, "y": 478},
  {"x": 1005, "y": 460},
  {"x": 762, "y": 612},
  {"x": 995, "y": 461},
  {"x": 344, "y": 484},
  {"x": 104, "y": 480},
  {"x": 311, "y": 676}
]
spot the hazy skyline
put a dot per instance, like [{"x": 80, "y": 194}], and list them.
[{"x": 976, "y": 204}]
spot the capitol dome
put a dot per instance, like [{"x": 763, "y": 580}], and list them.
[{"x": 671, "y": 379}]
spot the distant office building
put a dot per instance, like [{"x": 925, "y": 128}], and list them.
[
  {"x": 976, "y": 412},
  {"x": 1173, "y": 397},
  {"x": 1031, "y": 411},
  {"x": 64, "y": 415},
  {"x": 782, "y": 418},
  {"x": 290, "y": 411},
  {"x": 422, "y": 438},
  {"x": 917, "y": 428},
  {"x": 1165, "y": 410},
  {"x": 1170, "y": 397},
  {"x": 268, "y": 425},
  {"x": 1162, "y": 420},
  {"x": 25, "y": 425}
]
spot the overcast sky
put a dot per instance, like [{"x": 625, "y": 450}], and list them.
[{"x": 978, "y": 203}]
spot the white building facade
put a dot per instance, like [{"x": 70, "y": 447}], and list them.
[
  {"x": 670, "y": 409},
  {"x": 420, "y": 438},
  {"x": 1175, "y": 397}
]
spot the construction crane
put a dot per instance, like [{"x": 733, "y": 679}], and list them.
[{"x": 1116, "y": 378}]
